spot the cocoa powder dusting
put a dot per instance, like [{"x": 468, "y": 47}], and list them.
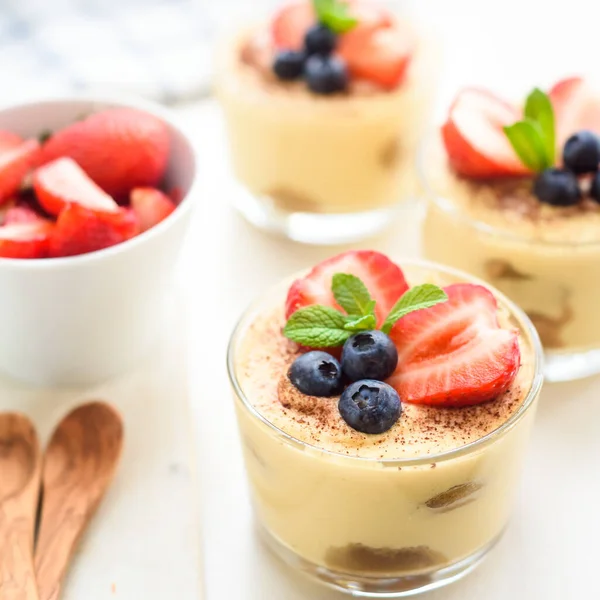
[{"x": 264, "y": 358}]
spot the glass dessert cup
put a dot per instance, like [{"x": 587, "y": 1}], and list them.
[
  {"x": 384, "y": 527},
  {"x": 556, "y": 283},
  {"x": 321, "y": 169}
]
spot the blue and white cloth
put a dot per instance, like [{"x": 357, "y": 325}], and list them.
[{"x": 160, "y": 49}]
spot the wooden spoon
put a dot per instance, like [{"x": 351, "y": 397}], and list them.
[
  {"x": 79, "y": 465},
  {"x": 20, "y": 470}
]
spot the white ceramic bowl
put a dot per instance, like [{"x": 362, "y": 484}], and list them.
[{"x": 81, "y": 319}]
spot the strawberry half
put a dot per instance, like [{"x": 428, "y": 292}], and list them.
[
  {"x": 455, "y": 353},
  {"x": 119, "y": 149},
  {"x": 64, "y": 182},
  {"x": 380, "y": 55},
  {"x": 16, "y": 161},
  {"x": 25, "y": 240},
  {"x": 383, "y": 278},
  {"x": 576, "y": 107},
  {"x": 475, "y": 141},
  {"x": 151, "y": 206},
  {"x": 80, "y": 230}
]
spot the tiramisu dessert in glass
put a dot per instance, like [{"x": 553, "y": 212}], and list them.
[
  {"x": 384, "y": 411},
  {"x": 324, "y": 106},
  {"x": 514, "y": 198}
]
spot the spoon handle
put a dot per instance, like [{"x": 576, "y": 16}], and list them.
[
  {"x": 61, "y": 527},
  {"x": 17, "y": 575}
]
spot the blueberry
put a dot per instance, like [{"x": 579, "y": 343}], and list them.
[
  {"x": 289, "y": 64},
  {"x": 370, "y": 406},
  {"x": 326, "y": 74},
  {"x": 319, "y": 39},
  {"x": 369, "y": 355},
  {"x": 558, "y": 187},
  {"x": 581, "y": 153},
  {"x": 595, "y": 187},
  {"x": 316, "y": 374}
]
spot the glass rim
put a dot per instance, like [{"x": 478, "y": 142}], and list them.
[
  {"x": 532, "y": 393},
  {"x": 447, "y": 206}
]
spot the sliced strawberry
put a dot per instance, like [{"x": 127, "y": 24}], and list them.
[
  {"x": 25, "y": 240},
  {"x": 380, "y": 55},
  {"x": 383, "y": 278},
  {"x": 151, "y": 206},
  {"x": 118, "y": 148},
  {"x": 15, "y": 163},
  {"x": 475, "y": 141},
  {"x": 63, "y": 182},
  {"x": 576, "y": 107},
  {"x": 80, "y": 230},
  {"x": 20, "y": 214},
  {"x": 455, "y": 353},
  {"x": 290, "y": 24}
]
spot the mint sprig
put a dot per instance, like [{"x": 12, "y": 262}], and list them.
[
  {"x": 335, "y": 14},
  {"x": 352, "y": 294},
  {"x": 534, "y": 137},
  {"x": 320, "y": 326},
  {"x": 417, "y": 298}
]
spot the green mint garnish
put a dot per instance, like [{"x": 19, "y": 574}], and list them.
[
  {"x": 317, "y": 326},
  {"x": 361, "y": 323},
  {"x": 417, "y": 298},
  {"x": 320, "y": 326},
  {"x": 534, "y": 138},
  {"x": 335, "y": 14},
  {"x": 352, "y": 294}
]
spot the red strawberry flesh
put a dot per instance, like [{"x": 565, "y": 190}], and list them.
[
  {"x": 118, "y": 148},
  {"x": 383, "y": 278},
  {"x": 151, "y": 206},
  {"x": 63, "y": 182},
  {"x": 15, "y": 163},
  {"x": 474, "y": 138},
  {"x": 25, "y": 240},
  {"x": 455, "y": 353},
  {"x": 80, "y": 230}
]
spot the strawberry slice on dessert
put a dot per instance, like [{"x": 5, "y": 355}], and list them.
[
  {"x": 118, "y": 148},
  {"x": 474, "y": 138},
  {"x": 79, "y": 230},
  {"x": 455, "y": 353},
  {"x": 151, "y": 206},
  {"x": 16, "y": 161},
  {"x": 383, "y": 278},
  {"x": 576, "y": 107},
  {"x": 26, "y": 239},
  {"x": 63, "y": 182},
  {"x": 378, "y": 54}
]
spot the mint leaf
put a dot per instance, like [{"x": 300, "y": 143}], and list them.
[
  {"x": 417, "y": 298},
  {"x": 335, "y": 14},
  {"x": 366, "y": 322},
  {"x": 352, "y": 294},
  {"x": 317, "y": 326},
  {"x": 538, "y": 108},
  {"x": 527, "y": 139}
]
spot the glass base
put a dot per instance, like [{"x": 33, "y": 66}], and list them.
[
  {"x": 311, "y": 228},
  {"x": 568, "y": 366},
  {"x": 376, "y": 587}
]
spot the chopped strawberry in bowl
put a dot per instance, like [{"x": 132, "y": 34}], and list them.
[{"x": 84, "y": 264}]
